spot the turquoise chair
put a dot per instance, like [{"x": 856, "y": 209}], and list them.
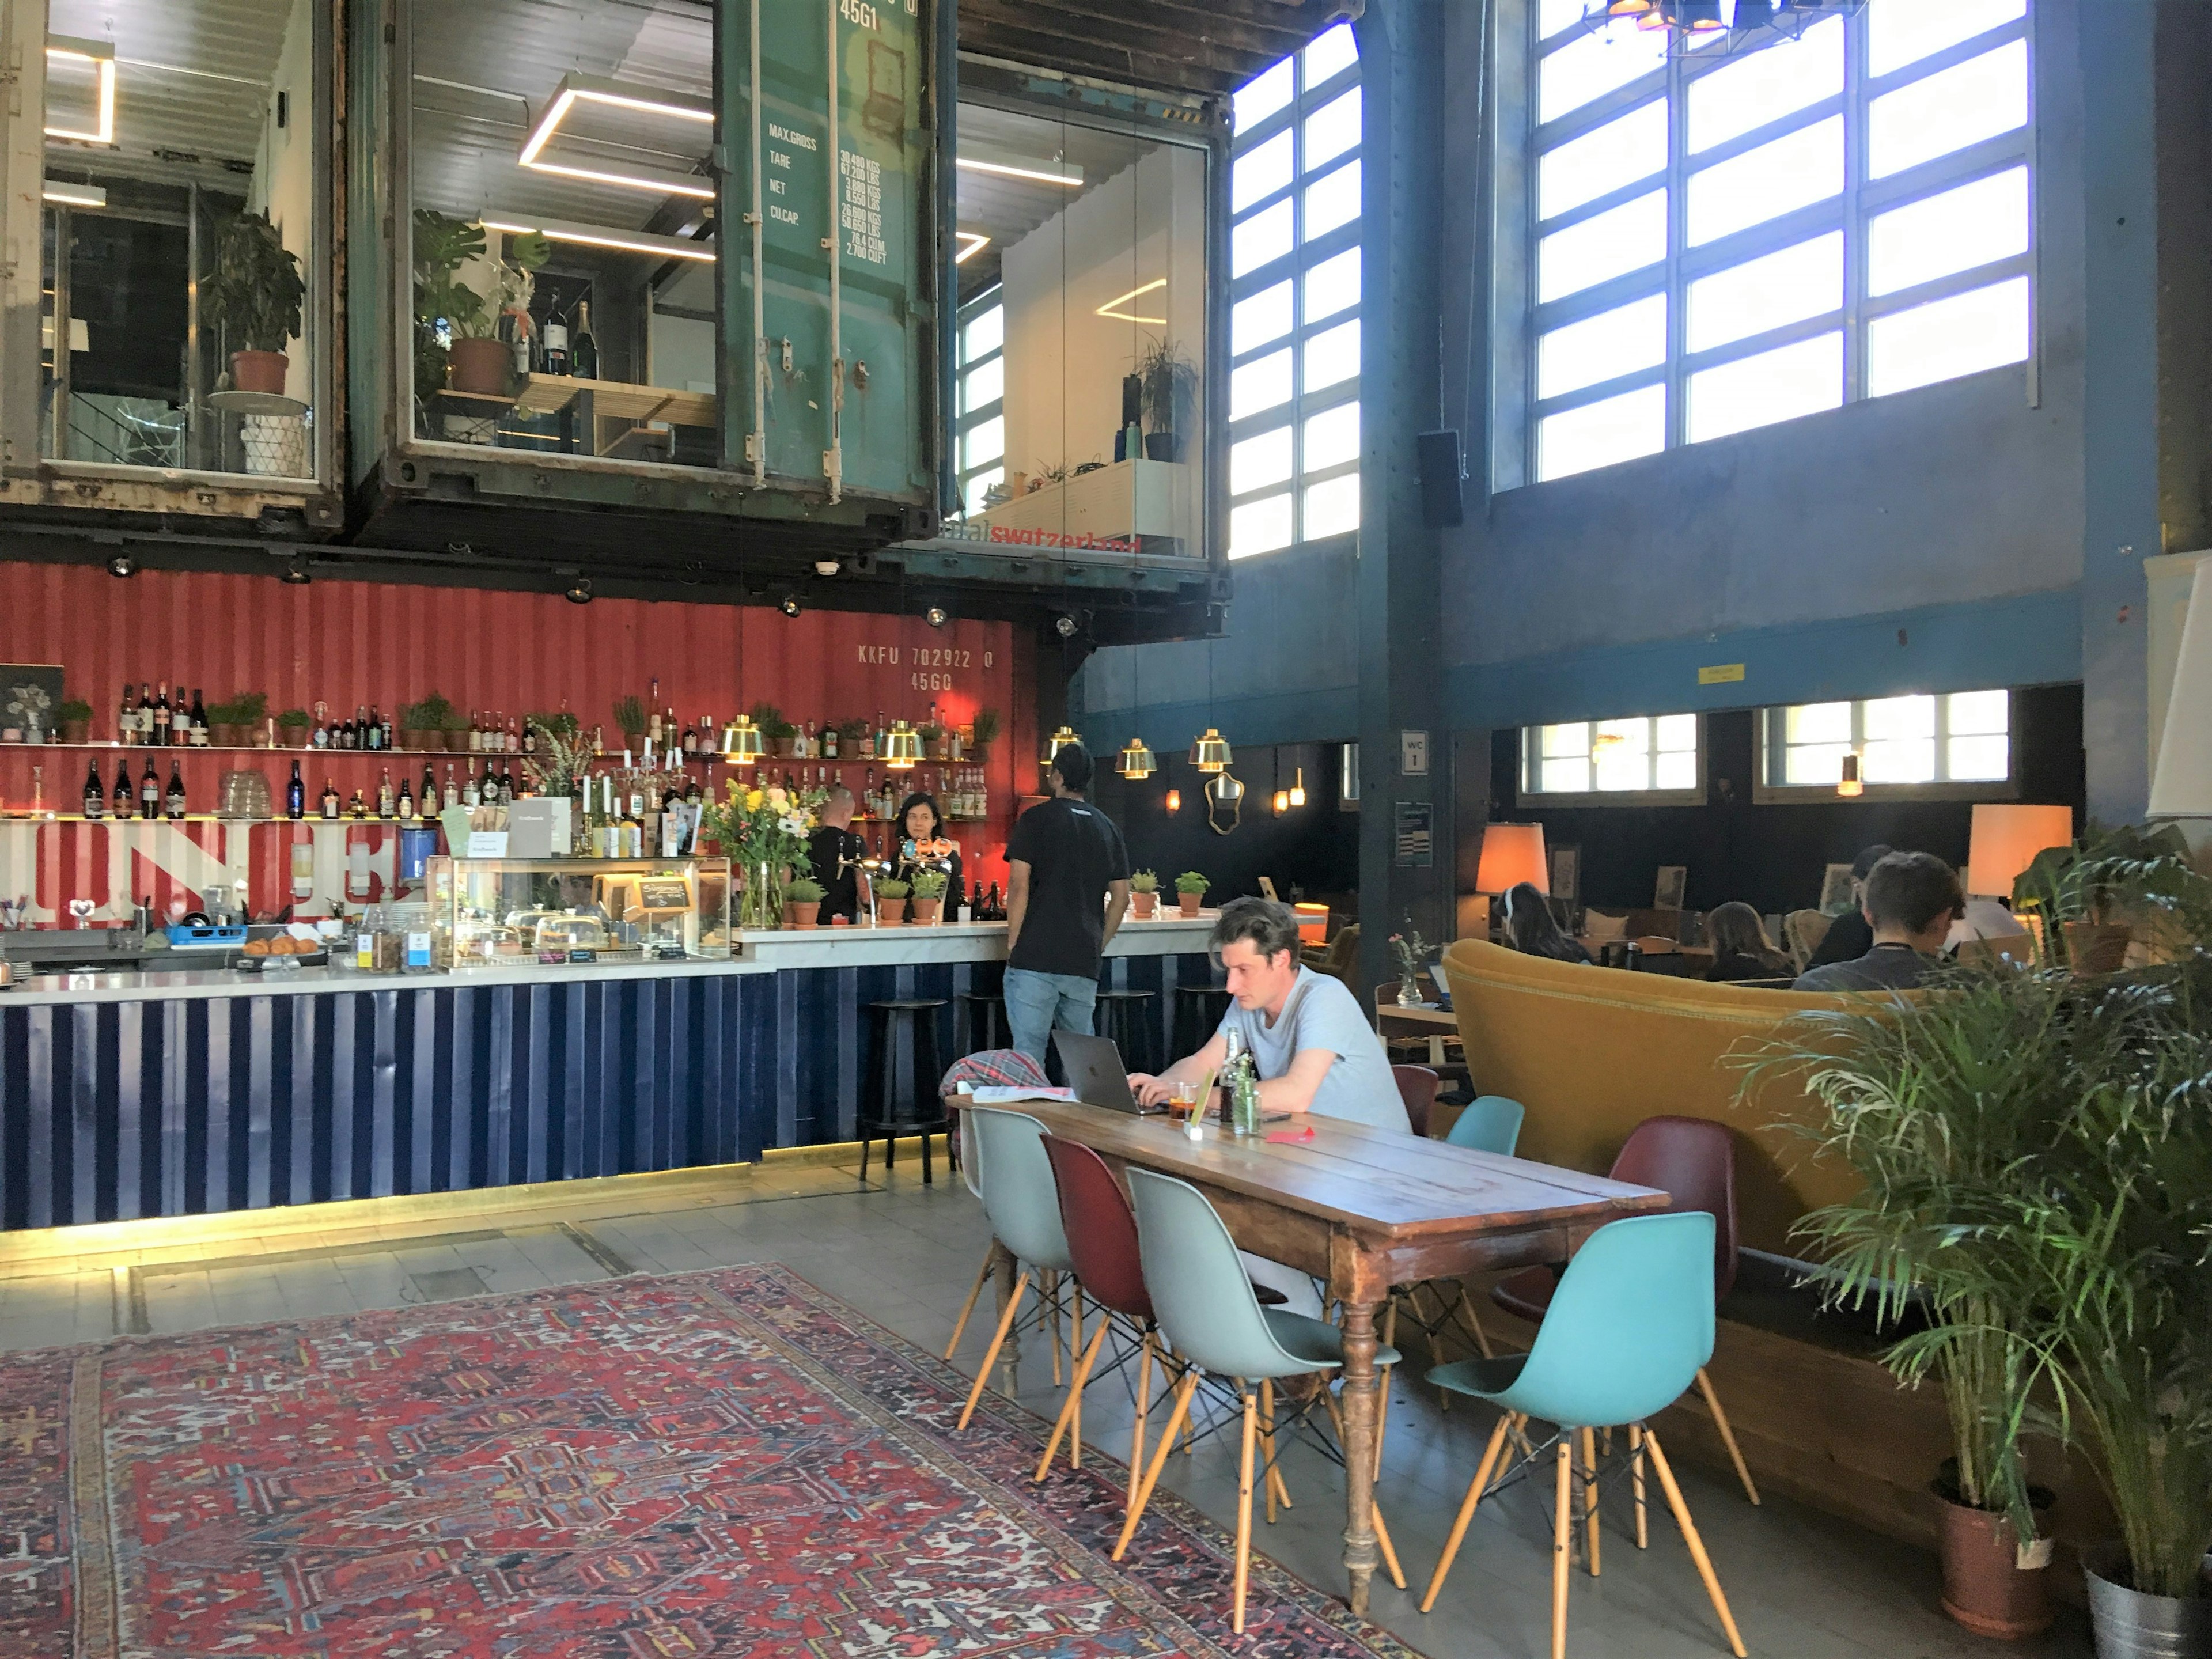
[
  {"x": 1491, "y": 1123},
  {"x": 971, "y": 1165},
  {"x": 1209, "y": 1315},
  {"x": 1023, "y": 1201},
  {"x": 1629, "y": 1328}
]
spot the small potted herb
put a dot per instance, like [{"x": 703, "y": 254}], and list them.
[
  {"x": 423, "y": 725},
  {"x": 74, "y": 718},
  {"x": 629, "y": 720},
  {"x": 1145, "y": 894},
  {"x": 776, "y": 730},
  {"x": 802, "y": 904},
  {"x": 983, "y": 734},
  {"x": 295, "y": 723},
  {"x": 928, "y": 895},
  {"x": 253, "y": 299},
  {"x": 1190, "y": 888},
  {"x": 236, "y": 724},
  {"x": 890, "y": 899}
]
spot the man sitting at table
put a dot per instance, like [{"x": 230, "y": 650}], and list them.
[{"x": 1315, "y": 1050}]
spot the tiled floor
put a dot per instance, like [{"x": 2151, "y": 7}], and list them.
[{"x": 1802, "y": 1586}]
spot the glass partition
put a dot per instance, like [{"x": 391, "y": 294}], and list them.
[
  {"x": 1080, "y": 408},
  {"x": 563, "y": 243},
  {"x": 182, "y": 271}
]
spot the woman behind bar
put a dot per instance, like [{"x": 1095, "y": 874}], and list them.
[
  {"x": 1529, "y": 927},
  {"x": 920, "y": 824}
]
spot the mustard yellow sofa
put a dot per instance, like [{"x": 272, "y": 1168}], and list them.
[{"x": 1592, "y": 1052}]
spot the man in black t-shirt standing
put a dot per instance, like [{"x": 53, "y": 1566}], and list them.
[
  {"x": 1066, "y": 890},
  {"x": 833, "y": 851}
]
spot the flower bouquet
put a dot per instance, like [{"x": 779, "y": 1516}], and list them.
[
  {"x": 763, "y": 830},
  {"x": 1411, "y": 952}
]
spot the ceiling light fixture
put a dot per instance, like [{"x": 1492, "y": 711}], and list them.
[
  {"x": 620, "y": 94},
  {"x": 627, "y": 241},
  {"x": 902, "y": 748},
  {"x": 100, "y": 54},
  {"x": 741, "y": 742},
  {"x": 791, "y": 606},
  {"x": 972, "y": 242},
  {"x": 827, "y": 567},
  {"x": 1071, "y": 177},
  {"x": 937, "y": 616},
  {"x": 1136, "y": 762},
  {"x": 579, "y": 592},
  {"x": 646, "y": 179},
  {"x": 68, "y": 194},
  {"x": 1209, "y": 752},
  {"x": 123, "y": 565},
  {"x": 1108, "y": 309},
  {"x": 1065, "y": 626},
  {"x": 296, "y": 573},
  {"x": 1058, "y": 741}
]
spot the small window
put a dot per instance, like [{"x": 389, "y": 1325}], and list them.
[
  {"x": 1643, "y": 760},
  {"x": 1955, "y": 745}
]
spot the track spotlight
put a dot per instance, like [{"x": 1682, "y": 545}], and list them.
[
  {"x": 296, "y": 573},
  {"x": 790, "y": 607},
  {"x": 937, "y": 616},
  {"x": 579, "y": 592},
  {"x": 123, "y": 565},
  {"x": 1065, "y": 626}
]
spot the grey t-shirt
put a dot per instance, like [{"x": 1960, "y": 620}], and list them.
[
  {"x": 1320, "y": 1013},
  {"x": 1884, "y": 967}
]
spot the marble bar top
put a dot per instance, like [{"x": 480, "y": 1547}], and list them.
[{"x": 1170, "y": 934}]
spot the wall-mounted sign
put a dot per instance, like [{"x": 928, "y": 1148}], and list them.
[
  {"x": 1413, "y": 754},
  {"x": 1724, "y": 673},
  {"x": 1413, "y": 844}
]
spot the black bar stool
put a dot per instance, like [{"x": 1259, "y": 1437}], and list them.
[
  {"x": 987, "y": 1020},
  {"x": 904, "y": 1028},
  {"x": 1123, "y": 1017},
  {"x": 1199, "y": 1010}
]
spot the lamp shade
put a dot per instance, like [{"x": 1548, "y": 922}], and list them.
[
  {"x": 1135, "y": 761},
  {"x": 1512, "y": 854},
  {"x": 742, "y": 744},
  {"x": 2181, "y": 787},
  {"x": 1210, "y": 751},
  {"x": 901, "y": 747},
  {"x": 2005, "y": 839},
  {"x": 1058, "y": 741}
]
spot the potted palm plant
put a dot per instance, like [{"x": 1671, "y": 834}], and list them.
[
  {"x": 1170, "y": 394},
  {"x": 253, "y": 299},
  {"x": 1145, "y": 894}
]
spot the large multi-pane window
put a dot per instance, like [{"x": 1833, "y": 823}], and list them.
[
  {"x": 1959, "y": 742},
  {"x": 1294, "y": 317},
  {"x": 1720, "y": 243},
  {"x": 980, "y": 417},
  {"x": 1642, "y": 760}
]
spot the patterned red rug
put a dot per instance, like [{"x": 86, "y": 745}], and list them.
[{"x": 728, "y": 1462}]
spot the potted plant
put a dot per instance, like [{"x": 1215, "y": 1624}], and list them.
[
  {"x": 2086, "y": 897},
  {"x": 629, "y": 720},
  {"x": 776, "y": 730},
  {"x": 1171, "y": 395},
  {"x": 75, "y": 720},
  {"x": 474, "y": 356},
  {"x": 802, "y": 902},
  {"x": 252, "y": 298},
  {"x": 1190, "y": 888},
  {"x": 1144, "y": 894},
  {"x": 423, "y": 725},
  {"x": 236, "y": 724},
  {"x": 849, "y": 733},
  {"x": 986, "y": 732},
  {"x": 890, "y": 899},
  {"x": 928, "y": 895},
  {"x": 295, "y": 723}
]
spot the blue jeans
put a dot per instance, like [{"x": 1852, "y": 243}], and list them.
[{"x": 1037, "y": 1003}]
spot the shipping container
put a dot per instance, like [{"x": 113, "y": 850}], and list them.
[{"x": 664, "y": 275}]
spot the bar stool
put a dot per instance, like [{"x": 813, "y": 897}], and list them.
[
  {"x": 907, "y": 1027},
  {"x": 986, "y": 1010},
  {"x": 1123, "y": 1017},
  {"x": 1199, "y": 1010}
]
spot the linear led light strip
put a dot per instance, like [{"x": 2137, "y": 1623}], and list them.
[
  {"x": 1070, "y": 179},
  {"x": 972, "y": 242},
  {"x": 101, "y": 55},
  {"x": 619, "y": 94},
  {"x": 1108, "y": 309},
  {"x": 69, "y": 193},
  {"x": 628, "y": 241}
]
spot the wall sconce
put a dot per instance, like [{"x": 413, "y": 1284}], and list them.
[
  {"x": 1299, "y": 788},
  {"x": 1174, "y": 801},
  {"x": 1282, "y": 802},
  {"x": 1852, "y": 783}
]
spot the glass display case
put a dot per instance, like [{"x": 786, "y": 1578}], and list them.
[{"x": 502, "y": 912}]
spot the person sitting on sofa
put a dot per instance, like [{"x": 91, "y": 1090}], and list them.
[
  {"x": 1848, "y": 937},
  {"x": 1530, "y": 927},
  {"x": 1910, "y": 900},
  {"x": 1740, "y": 947}
]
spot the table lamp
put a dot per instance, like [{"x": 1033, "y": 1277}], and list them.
[
  {"x": 2004, "y": 840},
  {"x": 2181, "y": 784},
  {"x": 1512, "y": 853}
]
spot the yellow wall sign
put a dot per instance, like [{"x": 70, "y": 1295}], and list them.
[{"x": 1723, "y": 673}]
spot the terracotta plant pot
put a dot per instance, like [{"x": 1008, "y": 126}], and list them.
[
  {"x": 293, "y": 736},
  {"x": 890, "y": 909},
  {"x": 230, "y": 737},
  {"x": 2097, "y": 947},
  {"x": 926, "y": 911},
  {"x": 787, "y": 748},
  {"x": 479, "y": 367},
  {"x": 1190, "y": 902},
  {"x": 1984, "y": 1587},
  {"x": 76, "y": 731},
  {"x": 801, "y": 913},
  {"x": 1144, "y": 904},
  {"x": 259, "y": 371},
  {"x": 410, "y": 737},
  {"x": 432, "y": 738}
]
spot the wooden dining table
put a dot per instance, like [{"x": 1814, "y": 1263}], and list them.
[{"x": 1361, "y": 1209}]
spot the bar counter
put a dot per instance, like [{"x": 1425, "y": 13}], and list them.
[{"x": 187, "y": 1091}]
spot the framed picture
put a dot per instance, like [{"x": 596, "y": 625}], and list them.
[
  {"x": 30, "y": 701},
  {"x": 1674, "y": 882},
  {"x": 1836, "y": 889},
  {"x": 1566, "y": 874}
]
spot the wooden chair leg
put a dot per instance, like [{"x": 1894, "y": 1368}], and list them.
[
  {"x": 968, "y": 1306},
  {"x": 1052, "y": 1312},
  {"x": 1183, "y": 1392},
  {"x": 1636, "y": 1481},
  {"x": 1728, "y": 1435},
  {"x": 1245, "y": 1516},
  {"x": 1070, "y": 1411},
  {"x": 1473, "y": 1325},
  {"x": 1562, "y": 1525},
  {"x": 1267, "y": 1443},
  {"x": 997, "y": 1341},
  {"x": 1475, "y": 1488},
  {"x": 1137, "y": 1433},
  {"x": 1690, "y": 1537},
  {"x": 1589, "y": 1498},
  {"x": 1075, "y": 1393},
  {"x": 1390, "y": 1551}
]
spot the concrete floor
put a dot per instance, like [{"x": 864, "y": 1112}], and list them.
[{"x": 1802, "y": 1586}]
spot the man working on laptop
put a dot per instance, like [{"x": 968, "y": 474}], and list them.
[{"x": 1315, "y": 1050}]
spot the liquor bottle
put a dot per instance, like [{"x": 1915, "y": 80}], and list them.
[
  {"x": 329, "y": 798},
  {"x": 406, "y": 802},
  {"x": 557, "y": 346},
  {"x": 295, "y": 795},
  {"x": 449, "y": 796},
  {"x": 377, "y": 738},
  {"x": 427, "y": 796},
  {"x": 141, "y": 718},
  {"x": 175, "y": 797},
  {"x": 95, "y": 793},
  {"x": 322, "y": 729},
  {"x": 360, "y": 808},
  {"x": 150, "y": 793},
  {"x": 472, "y": 796},
  {"x": 122, "y": 796},
  {"x": 829, "y": 742},
  {"x": 514, "y": 735},
  {"x": 506, "y": 784},
  {"x": 161, "y": 717},
  {"x": 387, "y": 802},
  {"x": 585, "y": 351},
  {"x": 199, "y": 727},
  {"x": 476, "y": 732}
]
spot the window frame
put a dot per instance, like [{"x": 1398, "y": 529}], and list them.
[
  {"x": 1772, "y": 727},
  {"x": 965, "y": 419},
  {"x": 1531, "y": 756},
  {"x": 1294, "y": 266},
  {"x": 1851, "y": 212}
]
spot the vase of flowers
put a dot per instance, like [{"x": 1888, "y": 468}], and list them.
[
  {"x": 763, "y": 832},
  {"x": 1411, "y": 952}
]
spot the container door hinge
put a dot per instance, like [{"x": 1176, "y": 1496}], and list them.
[
  {"x": 786, "y": 354},
  {"x": 753, "y": 447}
]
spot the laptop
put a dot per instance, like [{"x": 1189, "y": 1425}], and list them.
[{"x": 1096, "y": 1074}]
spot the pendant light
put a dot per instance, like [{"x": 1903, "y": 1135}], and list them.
[
  {"x": 1852, "y": 783},
  {"x": 1210, "y": 753},
  {"x": 1058, "y": 741},
  {"x": 1299, "y": 788},
  {"x": 1135, "y": 762},
  {"x": 741, "y": 742},
  {"x": 902, "y": 748}
]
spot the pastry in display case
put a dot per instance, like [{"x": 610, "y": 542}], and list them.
[{"x": 503, "y": 912}]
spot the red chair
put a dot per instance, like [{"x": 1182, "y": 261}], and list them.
[
  {"x": 1692, "y": 1161},
  {"x": 1417, "y": 1087}
]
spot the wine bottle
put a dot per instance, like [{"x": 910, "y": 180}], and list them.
[
  {"x": 175, "y": 797},
  {"x": 199, "y": 727},
  {"x": 95, "y": 793},
  {"x": 406, "y": 802},
  {"x": 472, "y": 796},
  {"x": 161, "y": 717},
  {"x": 126, "y": 718},
  {"x": 122, "y": 796},
  {"x": 557, "y": 346},
  {"x": 150, "y": 793},
  {"x": 295, "y": 795},
  {"x": 584, "y": 353},
  {"x": 329, "y": 798}
]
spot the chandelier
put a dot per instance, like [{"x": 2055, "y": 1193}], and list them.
[{"x": 1714, "y": 28}]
